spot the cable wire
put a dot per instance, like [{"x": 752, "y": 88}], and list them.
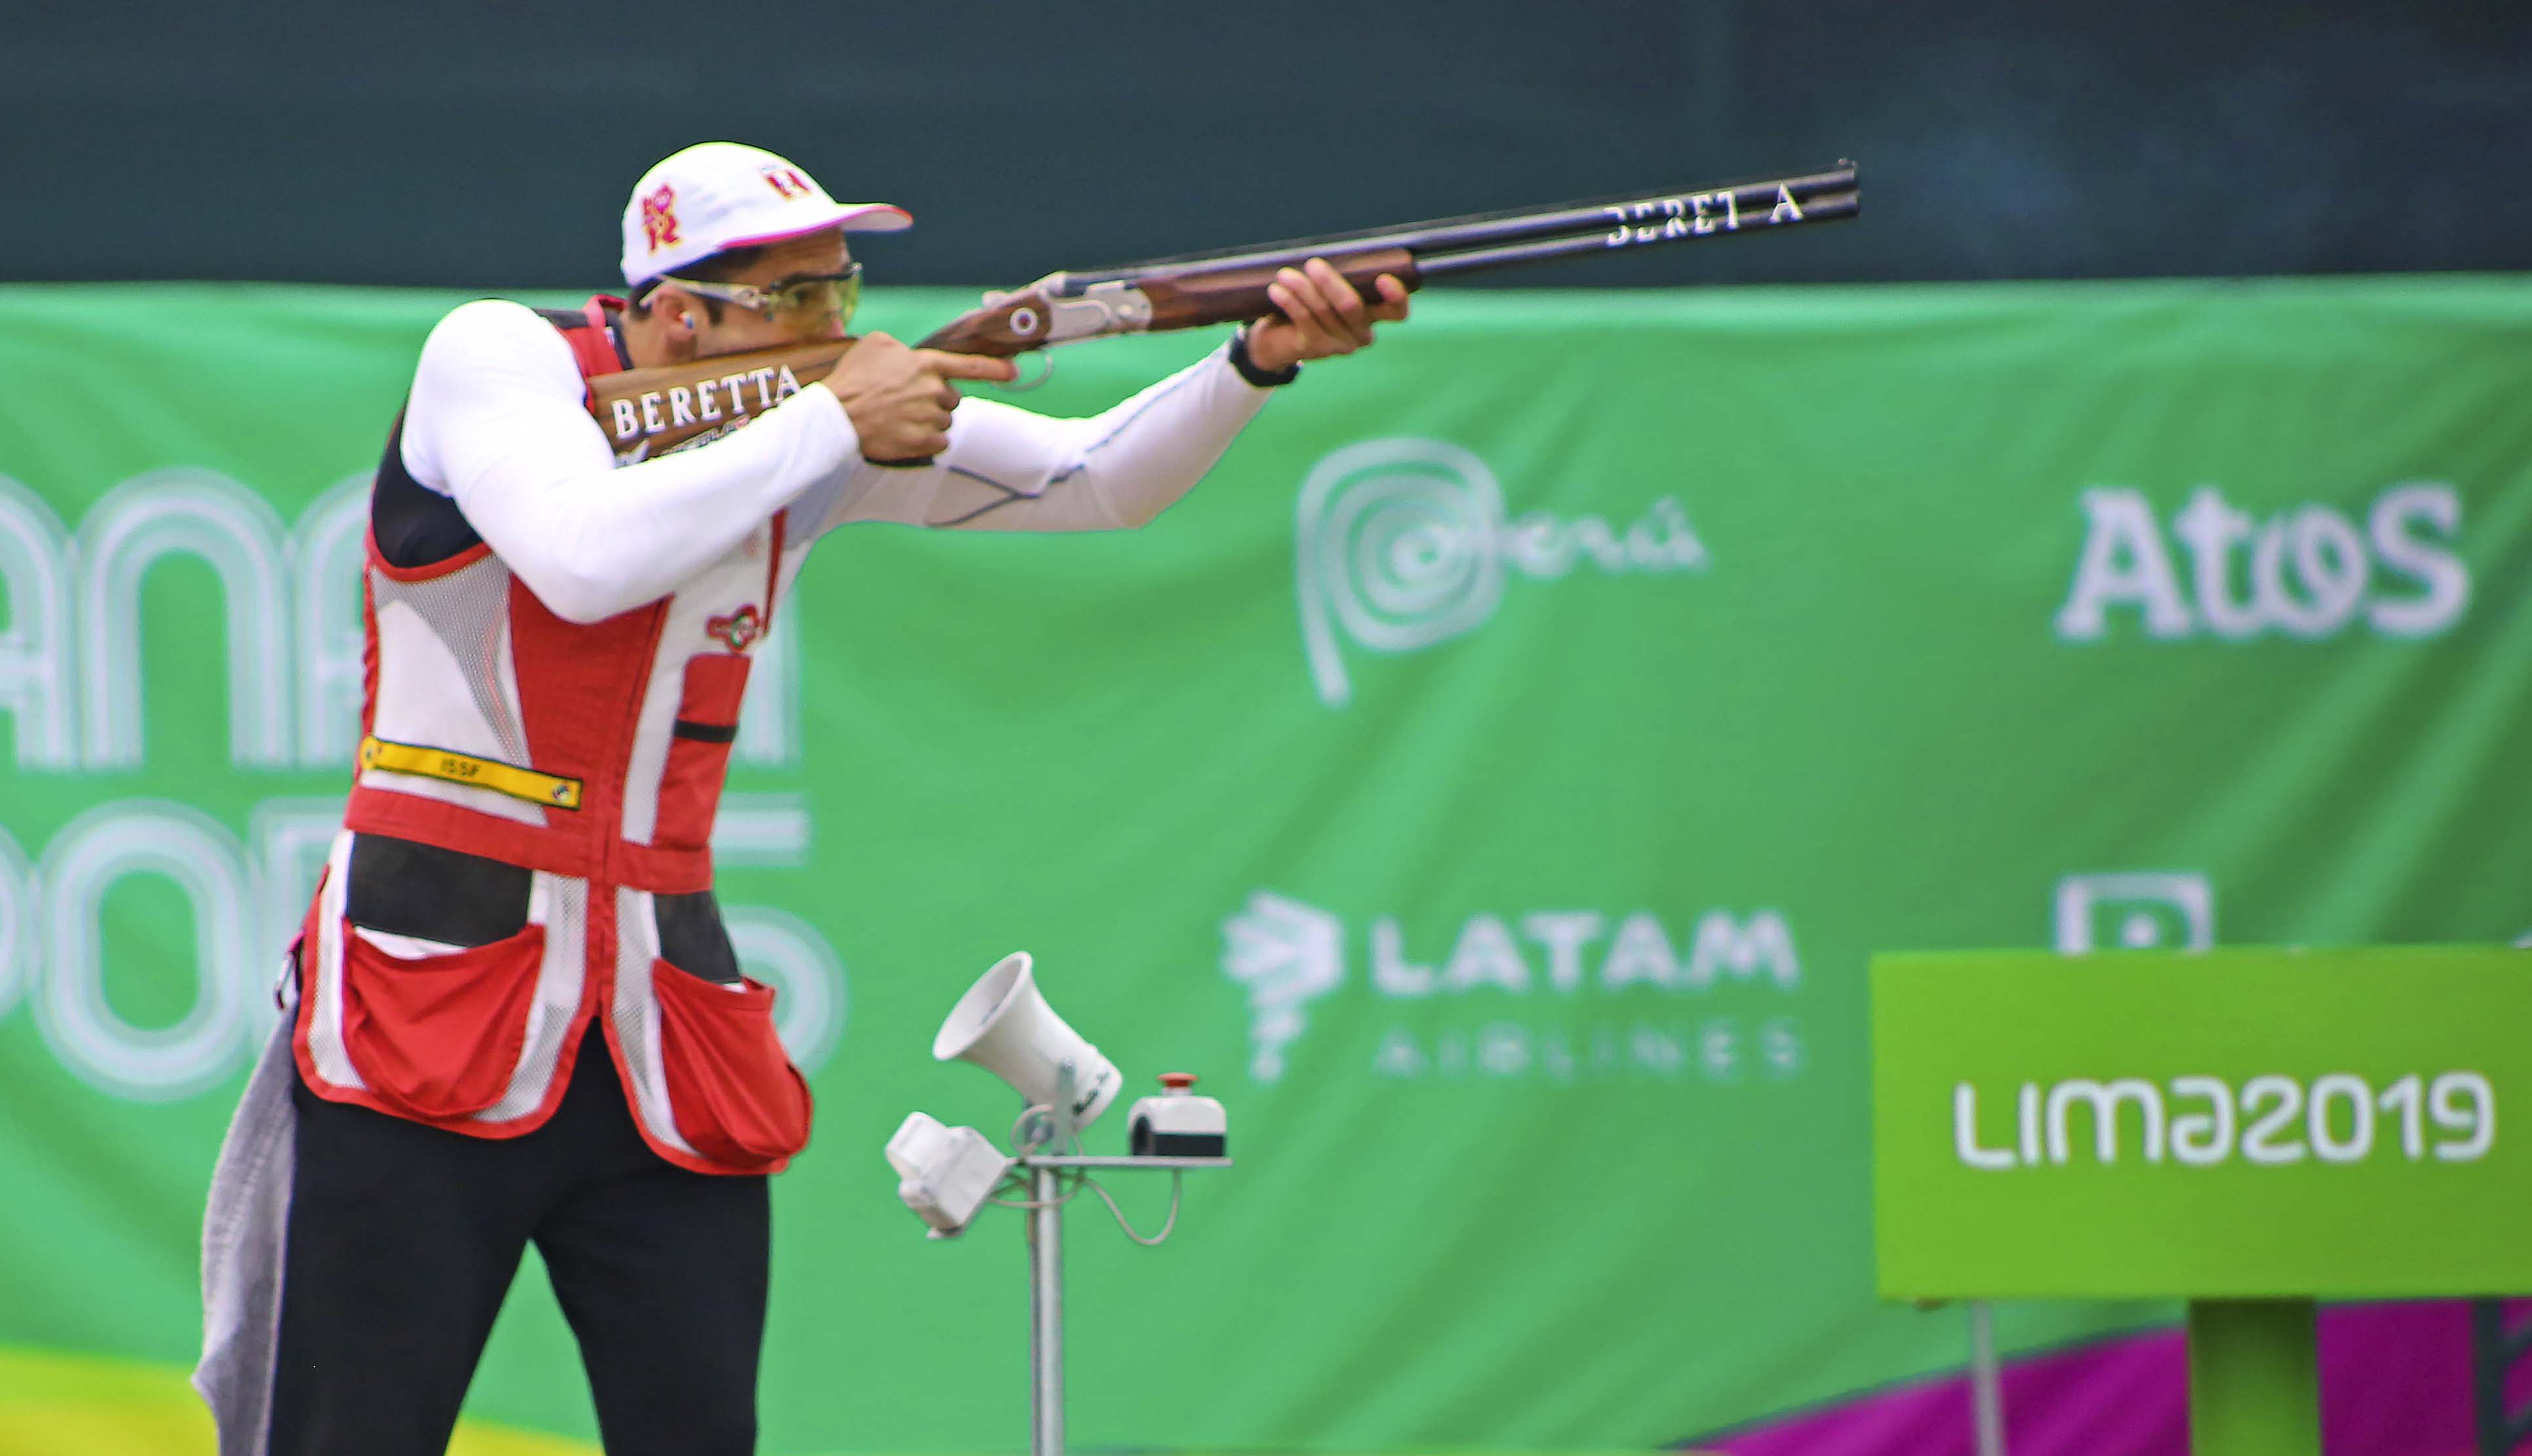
[{"x": 1177, "y": 1180}]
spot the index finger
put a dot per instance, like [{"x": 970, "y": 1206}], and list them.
[{"x": 951, "y": 366}]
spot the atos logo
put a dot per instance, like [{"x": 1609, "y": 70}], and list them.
[{"x": 2308, "y": 572}]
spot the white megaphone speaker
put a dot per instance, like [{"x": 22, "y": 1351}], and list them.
[{"x": 1004, "y": 1025}]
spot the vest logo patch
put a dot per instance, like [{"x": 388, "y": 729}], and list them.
[
  {"x": 787, "y": 182},
  {"x": 739, "y": 630},
  {"x": 659, "y": 217}
]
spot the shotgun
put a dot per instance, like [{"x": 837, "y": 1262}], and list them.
[{"x": 647, "y": 411}]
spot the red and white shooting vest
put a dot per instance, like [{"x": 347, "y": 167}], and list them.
[{"x": 593, "y": 756}]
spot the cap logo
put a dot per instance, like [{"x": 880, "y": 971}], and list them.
[
  {"x": 659, "y": 217},
  {"x": 787, "y": 182}
]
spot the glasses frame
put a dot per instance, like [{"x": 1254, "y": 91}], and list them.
[{"x": 763, "y": 299}]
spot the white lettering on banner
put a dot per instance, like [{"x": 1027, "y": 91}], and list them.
[
  {"x": 17, "y": 910},
  {"x": 1639, "y": 953},
  {"x": 70, "y": 663},
  {"x": 36, "y": 674},
  {"x": 1402, "y": 543},
  {"x": 2141, "y": 910},
  {"x": 207, "y": 864},
  {"x": 183, "y": 511},
  {"x": 1288, "y": 953},
  {"x": 1720, "y": 1050},
  {"x": 326, "y": 555},
  {"x": 2334, "y": 1119},
  {"x": 247, "y": 908},
  {"x": 71, "y": 674},
  {"x": 2308, "y": 572},
  {"x": 1564, "y": 933}
]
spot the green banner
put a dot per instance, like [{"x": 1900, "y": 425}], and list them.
[
  {"x": 1493, "y": 780},
  {"x": 2201, "y": 1124}
]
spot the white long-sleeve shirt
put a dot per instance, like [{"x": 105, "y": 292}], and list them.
[{"x": 496, "y": 423}]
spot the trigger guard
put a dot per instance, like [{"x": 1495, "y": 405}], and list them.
[{"x": 1022, "y": 386}]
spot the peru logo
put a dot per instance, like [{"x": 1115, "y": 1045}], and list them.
[
  {"x": 659, "y": 217},
  {"x": 739, "y": 630},
  {"x": 785, "y": 181}
]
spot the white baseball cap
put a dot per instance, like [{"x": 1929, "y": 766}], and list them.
[{"x": 716, "y": 196}]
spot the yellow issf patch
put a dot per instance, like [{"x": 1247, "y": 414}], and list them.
[{"x": 548, "y": 790}]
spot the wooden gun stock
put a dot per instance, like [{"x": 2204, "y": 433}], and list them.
[
  {"x": 1063, "y": 308},
  {"x": 668, "y": 404}
]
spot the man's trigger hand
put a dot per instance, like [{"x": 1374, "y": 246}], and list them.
[{"x": 900, "y": 399}]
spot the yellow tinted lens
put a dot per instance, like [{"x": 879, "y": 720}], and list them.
[{"x": 819, "y": 297}]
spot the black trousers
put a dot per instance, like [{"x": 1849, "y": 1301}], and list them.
[{"x": 403, "y": 1241}]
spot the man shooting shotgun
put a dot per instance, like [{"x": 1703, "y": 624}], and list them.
[
  {"x": 654, "y": 409},
  {"x": 514, "y": 1016}
]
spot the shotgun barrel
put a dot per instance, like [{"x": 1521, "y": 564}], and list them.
[{"x": 1224, "y": 287}]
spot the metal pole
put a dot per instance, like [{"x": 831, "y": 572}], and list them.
[
  {"x": 2254, "y": 1383},
  {"x": 1046, "y": 1315},
  {"x": 1987, "y": 1379},
  {"x": 2487, "y": 1373}
]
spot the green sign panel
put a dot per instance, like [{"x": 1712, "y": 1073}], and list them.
[{"x": 2222, "y": 1124}]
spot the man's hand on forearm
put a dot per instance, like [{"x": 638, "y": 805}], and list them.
[{"x": 1323, "y": 316}]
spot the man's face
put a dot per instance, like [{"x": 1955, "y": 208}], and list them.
[{"x": 742, "y": 329}]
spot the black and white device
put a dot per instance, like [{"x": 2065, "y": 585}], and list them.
[
  {"x": 1177, "y": 1124},
  {"x": 946, "y": 1173}
]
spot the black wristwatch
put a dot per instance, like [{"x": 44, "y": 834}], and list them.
[{"x": 1248, "y": 368}]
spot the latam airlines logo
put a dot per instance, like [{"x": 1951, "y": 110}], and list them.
[
  {"x": 1568, "y": 995},
  {"x": 2308, "y": 572},
  {"x": 1402, "y": 543}
]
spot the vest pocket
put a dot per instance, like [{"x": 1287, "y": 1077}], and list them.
[
  {"x": 733, "y": 1091},
  {"x": 699, "y": 749},
  {"x": 438, "y": 1036}
]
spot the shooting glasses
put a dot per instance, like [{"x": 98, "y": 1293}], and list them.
[{"x": 810, "y": 296}]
